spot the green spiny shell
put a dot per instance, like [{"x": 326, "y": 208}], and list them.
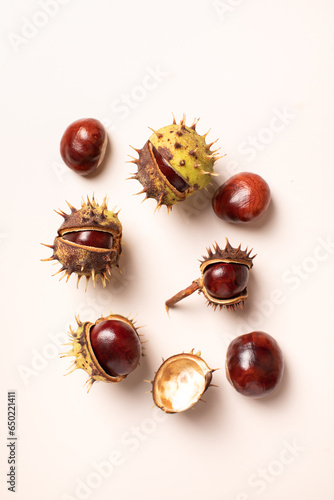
[
  {"x": 180, "y": 382},
  {"x": 187, "y": 155}
]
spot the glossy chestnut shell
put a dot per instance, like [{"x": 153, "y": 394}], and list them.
[
  {"x": 180, "y": 382},
  {"x": 108, "y": 350},
  {"x": 83, "y": 145},
  {"x": 242, "y": 198},
  {"x": 254, "y": 364}
]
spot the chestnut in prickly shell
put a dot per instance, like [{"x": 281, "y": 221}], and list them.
[{"x": 243, "y": 197}]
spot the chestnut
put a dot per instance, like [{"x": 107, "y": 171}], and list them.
[
  {"x": 83, "y": 145},
  {"x": 116, "y": 345},
  {"x": 254, "y": 364},
  {"x": 225, "y": 280},
  {"x": 181, "y": 381},
  {"x": 243, "y": 197}
]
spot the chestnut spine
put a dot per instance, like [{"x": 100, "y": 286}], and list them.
[
  {"x": 180, "y": 382},
  {"x": 83, "y": 145}
]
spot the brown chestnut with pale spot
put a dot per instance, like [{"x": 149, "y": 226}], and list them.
[
  {"x": 254, "y": 364},
  {"x": 242, "y": 198},
  {"x": 83, "y": 145}
]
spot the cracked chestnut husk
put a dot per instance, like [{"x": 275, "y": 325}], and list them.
[
  {"x": 224, "y": 278},
  {"x": 180, "y": 382},
  {"x": 254, "y": 364},
  {"x": 88, "y": 242},
  {"x": 174, "y": 163},
  {"x": 108, "y": 350}
]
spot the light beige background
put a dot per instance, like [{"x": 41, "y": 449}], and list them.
[{"x": 260, "y": 75}]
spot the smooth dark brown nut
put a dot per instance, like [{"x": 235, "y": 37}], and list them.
[
  {"x": 242, "y": 198},
  {"x": 83, "y": 145},
  {"x": 254, "y": 364}
]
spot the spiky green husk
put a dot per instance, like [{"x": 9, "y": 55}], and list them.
[
  {"x": 84, "y": 260},
  {"x": 186, "y": 152}
]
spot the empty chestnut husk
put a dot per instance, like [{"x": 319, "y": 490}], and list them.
[
  {"x": 180, "y": 382},
  {"x": 83, "y": 145},
  {"x": 224, "y": 278}
]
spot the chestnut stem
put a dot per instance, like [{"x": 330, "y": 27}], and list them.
[{"x": 182, "y": 294}]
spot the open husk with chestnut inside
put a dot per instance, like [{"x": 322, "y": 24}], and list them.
[
  {"x": 108, "y": 350},
  {"x": 180, "y": 382},
  {"x": 174, "y": 163},
  {"x": 89, "y": 242},
  {"x": 224, "y": 278}
]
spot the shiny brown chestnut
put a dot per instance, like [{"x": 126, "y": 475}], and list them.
[
  {"x": 243, "y": 197},
  {"x": 254, "y": 364},
  {"x": 83, "y": 145},
  {"x": 225, "y": 280},
  {"x": 108, "y": 350}
]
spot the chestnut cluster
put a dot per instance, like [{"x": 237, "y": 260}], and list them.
[
  {"x": 174, "y": 163},
  {"x": 254, "y": 367},
  {"x": 110, "y": 349},
  {"x": 241, "y": 199}
]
